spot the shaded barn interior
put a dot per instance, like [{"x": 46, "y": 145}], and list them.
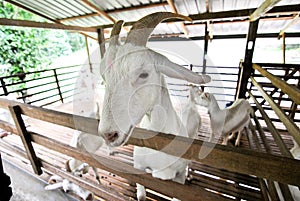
[{"x": 45, "y": 117}]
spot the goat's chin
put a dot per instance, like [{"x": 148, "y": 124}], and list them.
[{"x": 121, "y": 140}]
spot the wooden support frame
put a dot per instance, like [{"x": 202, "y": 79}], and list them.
[
  {"x": 98, "y": 10},
  {"x": 246, "y": 70},
  {"x": 262, "y": 9},
  {"x": 27, "y": 23},
  {"x": 228, "y": 158},
  {"x": 101, "y": 41},
  {"x": 292, "y": 92},
  {"x": 276, "y": 135},
  {"x": 26, "y": 138},
  {"x": 289, "y": 124},
  {"x": 283, "y": 149},
  {"x": 174, "y": 10}
]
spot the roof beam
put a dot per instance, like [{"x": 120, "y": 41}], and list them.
[
  {"x": 26, "y": 23},
  {"x": 262, "y": 9},
  {"x": 294, "y": 21},
  {"x": 43, "y": 16},
  {"x": 229, "y": 15},
  {"x": 145, "y": 6},
  {"x": 98, "y": 10},
  {"x": 174, "y": 10}
]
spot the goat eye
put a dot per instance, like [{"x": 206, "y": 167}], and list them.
[{"x": 143, "y": 75}]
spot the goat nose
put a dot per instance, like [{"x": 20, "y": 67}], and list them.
[{"x": 112, "y": 136}]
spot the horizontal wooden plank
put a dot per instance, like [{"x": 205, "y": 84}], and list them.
[
  {"x": 223, "y": 157},
  {"x": 292, "y": 92},
  {"x": 173, "y": 189},
  {"x": 27, "y": 23}
]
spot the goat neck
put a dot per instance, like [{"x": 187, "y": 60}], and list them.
[{"x": 163, "y": 117}]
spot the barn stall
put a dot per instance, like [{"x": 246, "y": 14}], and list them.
[{"x": 43, "y": 128}]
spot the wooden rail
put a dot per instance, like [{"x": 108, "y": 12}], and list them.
[
  {"x": 286, "y": 120},
  {"x": 228, "y": 158}
]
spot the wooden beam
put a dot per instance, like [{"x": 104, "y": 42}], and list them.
[
  {"x": 276, "y": 135},
  {"x": 15, "y": 112},
  {"x": 27, "y": 23},
  {"x": 98, "y": 10},
  {"x": 262, "y": 9},
  {"x": 174, "y": 10},
  {"x": 294, "y": 21},
  {"x": 118, "y": 10},
  {"x": 245, "y": 69},
  {"x": 289, "y": 124},
  {"x": 101, "y": 42},
  {"x": 229, "y": 158},
  {"x": 170, "y": 188},
  {"x": 292, "y": 92}
]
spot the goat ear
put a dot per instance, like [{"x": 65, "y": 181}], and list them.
[{"x": 174, "y": 70}]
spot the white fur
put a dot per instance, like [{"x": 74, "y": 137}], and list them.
[
  {"x": 190, "y": 115},
  {"x": 56, "y": 182},
  {"x": 225, "y": 121},
  {"x": 136, "y": 90}
]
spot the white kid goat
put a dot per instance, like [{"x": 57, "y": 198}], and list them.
[
  {"x": 136, "y": 89},
  {"x": 190, "y": 115},
  {"x": 56, "y": 182},
  {"x": 225, "y": 121}
]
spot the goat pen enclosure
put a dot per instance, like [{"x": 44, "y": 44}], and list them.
[{"x": 226, "y": 173}]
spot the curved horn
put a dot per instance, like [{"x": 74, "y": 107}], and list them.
[
  {"x": 142, "y": 29},
  {"x": 114, "y": 35}
]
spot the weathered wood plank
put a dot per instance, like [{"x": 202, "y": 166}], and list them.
[
  {"x": 26, "y": 23},
  {"x": 292, "y": 92},
  {"x": 173, "y": 189},
  {"x": 262, "y": 9},
  {"x": 26, "y": 139},
  {"x": 229, "y": 158},
  {"x": 286, "y": 120}
]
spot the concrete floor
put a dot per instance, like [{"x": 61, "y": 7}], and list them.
[{"x": 26, "y": 187}]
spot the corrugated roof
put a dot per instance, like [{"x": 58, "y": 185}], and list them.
[{"x": 81, "y": 13}]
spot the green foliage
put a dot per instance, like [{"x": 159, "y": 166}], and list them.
[{"x": 26, "y": 49}]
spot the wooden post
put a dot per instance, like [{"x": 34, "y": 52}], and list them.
[
  {"x": 205, "y": 48},
  {"x": 246, "y": 70},
  {"x": 26, "y": 138},
  {"x": 101, "y": 41}
]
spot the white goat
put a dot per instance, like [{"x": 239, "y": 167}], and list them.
[
  {"x": 136, "y": 90},
  {"x": 190, "y": 115},
  {"x": 230, "y": 120},
  {"x": 86, "y": 103},
  {"x": 56, "y": 182}
]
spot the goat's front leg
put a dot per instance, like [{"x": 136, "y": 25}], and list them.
[{"x": 238, "y": 139}]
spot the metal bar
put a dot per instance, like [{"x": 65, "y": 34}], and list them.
[
  {"x": 26, "y": 139},
  {"x": 4, "y": 87},
  {"x": 286, "y": 120},
  {"x": 58, "y": 87}
]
